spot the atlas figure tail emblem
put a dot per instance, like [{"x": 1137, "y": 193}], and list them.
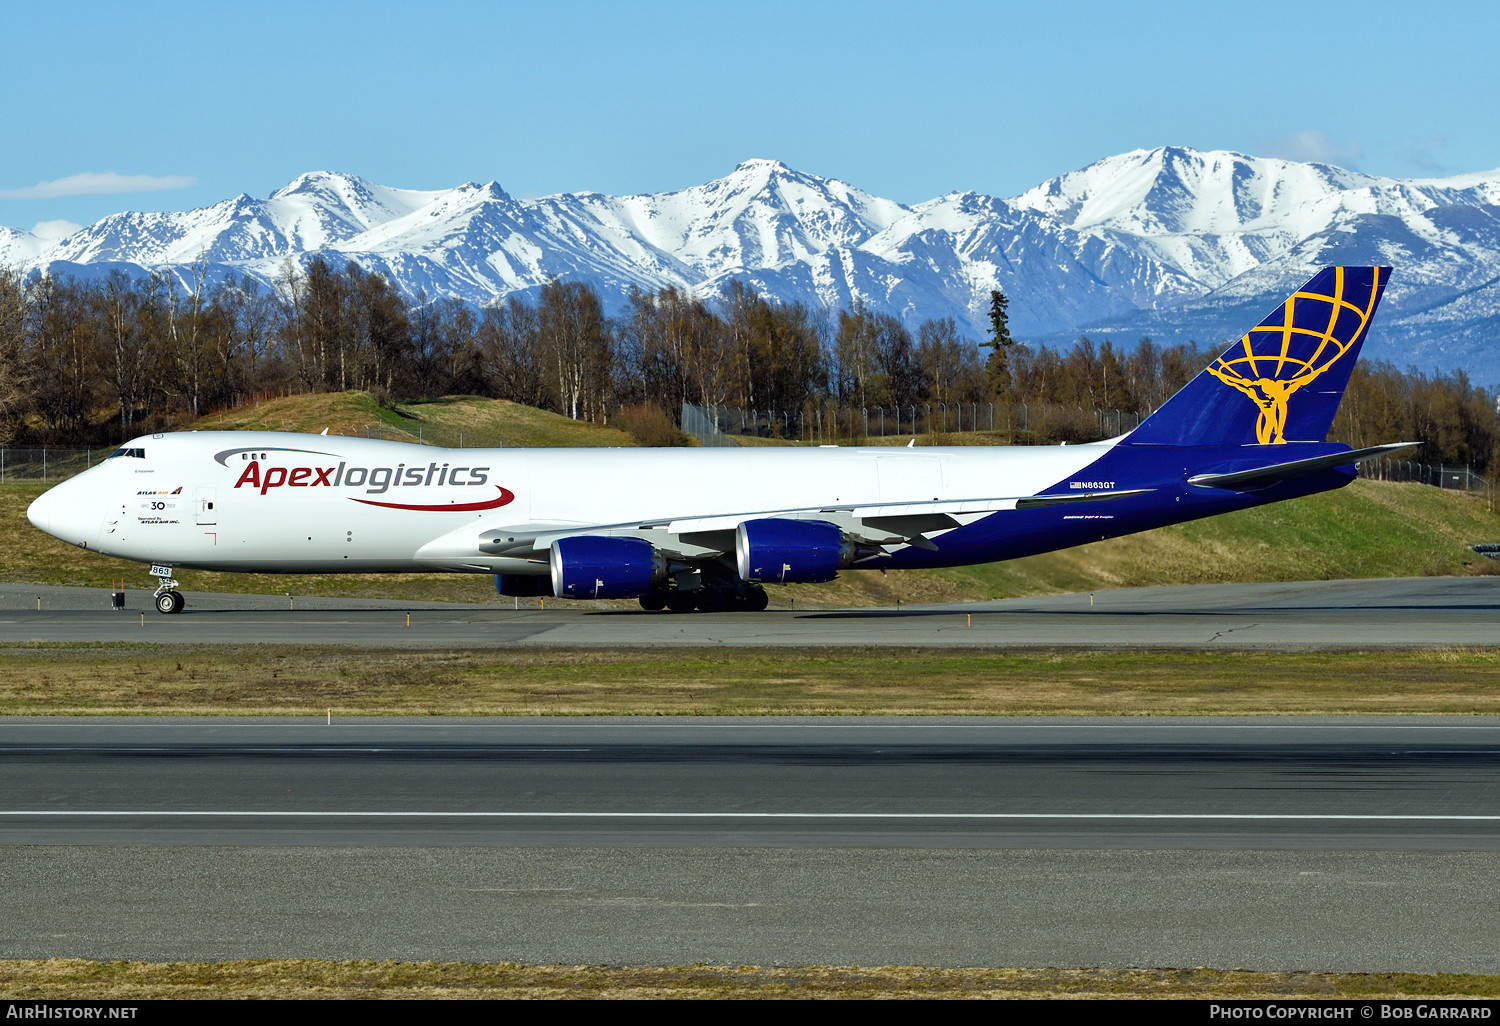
[{"x": 1281, "y": 358}]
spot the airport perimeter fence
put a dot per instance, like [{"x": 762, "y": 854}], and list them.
[
  {"x": 830, "y": 424},
  {"x": 428, "y": 434},
  {"x": 47, "y": 463},
  {"x": 1440, "y": 475}
]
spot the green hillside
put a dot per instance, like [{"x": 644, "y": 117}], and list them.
[{"x": 452, "y": 421}]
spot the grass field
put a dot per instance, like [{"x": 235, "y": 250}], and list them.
[
  {"x": 304, "y": 979},
  {"x": 113, "y": 678},
  {"x": 467, "y": 421}
]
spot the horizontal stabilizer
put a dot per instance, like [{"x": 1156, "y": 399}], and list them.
[{"x": 1241, "y": 479}]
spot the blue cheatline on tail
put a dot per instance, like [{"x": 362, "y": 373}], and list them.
[{"x": 1283, "y": 380}]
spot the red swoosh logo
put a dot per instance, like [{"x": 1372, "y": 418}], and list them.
[{"x": 506, "y": 495}]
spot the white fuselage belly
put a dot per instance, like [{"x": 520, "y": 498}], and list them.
[{"x": 296, "y": 510}]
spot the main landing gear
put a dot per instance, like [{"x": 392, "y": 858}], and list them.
[
  {"x": 168, "y": 599},
  {"x": 741, "y": 599}
]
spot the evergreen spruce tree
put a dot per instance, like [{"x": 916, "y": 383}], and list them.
[
  {"x": 997, "y": 367},
  {"x": 999, "y": 321}
]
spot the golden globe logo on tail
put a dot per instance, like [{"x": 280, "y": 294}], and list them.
[{"x": 1270, "y": 376}]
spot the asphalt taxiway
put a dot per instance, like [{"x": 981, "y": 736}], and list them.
[
  {"x": 1357, "y": 844},
  {"x": 1324, "y": 783},
  {"x": 1349, "y": 614}
]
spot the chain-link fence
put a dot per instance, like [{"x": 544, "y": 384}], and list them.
[
  {"x": 828, "y": 423},
  {"x": 46, "y": 464},
  {"x": 1439, "y": 475},
  {"x": 703, "y": 424}
]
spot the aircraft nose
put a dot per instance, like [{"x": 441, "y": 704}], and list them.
[
  {"x": 67, "y": 512},
  {"x": 40, "y": 512}
]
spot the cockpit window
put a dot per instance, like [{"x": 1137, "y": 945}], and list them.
[{"x": 139, "y": 454}]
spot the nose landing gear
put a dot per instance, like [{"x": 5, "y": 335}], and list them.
[{"x": 168, "y": 599}]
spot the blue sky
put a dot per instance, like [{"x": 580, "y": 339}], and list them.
[{"x": 149, "y": 106}]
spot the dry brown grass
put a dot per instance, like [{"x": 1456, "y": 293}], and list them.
[
  {"x": 114, "y": 679},
  {"x": 78, "y": 980},
  {"x": 650, "y": 425}
]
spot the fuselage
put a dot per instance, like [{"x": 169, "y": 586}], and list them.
[{"x": 286, "y": 503}]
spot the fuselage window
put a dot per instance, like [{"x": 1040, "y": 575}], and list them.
[{"x": 139, "y": 454}]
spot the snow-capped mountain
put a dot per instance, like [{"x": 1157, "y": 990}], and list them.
[
  {"x": 1248, "y": 227},
  {"x": 19, "y": 247},
  {"x": 1171, "y": 242},
  {"x": 1218, "y": 215}
]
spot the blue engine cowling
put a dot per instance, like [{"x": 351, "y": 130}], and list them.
[
  {"x": 590, "y": 567},
  {"x": 775, "y": 551}
]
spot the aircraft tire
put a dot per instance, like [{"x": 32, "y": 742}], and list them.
[
  {"x": 653, "y": 601},
  {"x": 169, "y": 602},
  {"x": 756, "y": 601},
  {"x": 681, "y": 602},
  {"x": 713, "y": 600}
]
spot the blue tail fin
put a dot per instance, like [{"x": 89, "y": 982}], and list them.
[{"x": 1283, "y": 380}]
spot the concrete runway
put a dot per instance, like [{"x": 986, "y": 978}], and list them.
[
  {"x": 1362, "y": 614},
  {"x": 1300, "y": 910},
  {"x": 1320, "y": 783},
  {"x": 1356, "y": 844}
]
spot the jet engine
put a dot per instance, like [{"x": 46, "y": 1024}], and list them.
[
  {"x": 777, "y": 551},
  {"x": 590, "y": 567}
]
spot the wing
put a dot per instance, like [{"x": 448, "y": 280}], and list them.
[{"x": 705, "y": 537}]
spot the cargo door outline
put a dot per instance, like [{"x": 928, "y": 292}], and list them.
[{"x": 203, "y": 502}]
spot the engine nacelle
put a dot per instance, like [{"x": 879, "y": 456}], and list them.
[
  {"x": 777, "y": 551},
  {"x": 524, "y": 585},
  {"x": 595, "y": 567}
]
